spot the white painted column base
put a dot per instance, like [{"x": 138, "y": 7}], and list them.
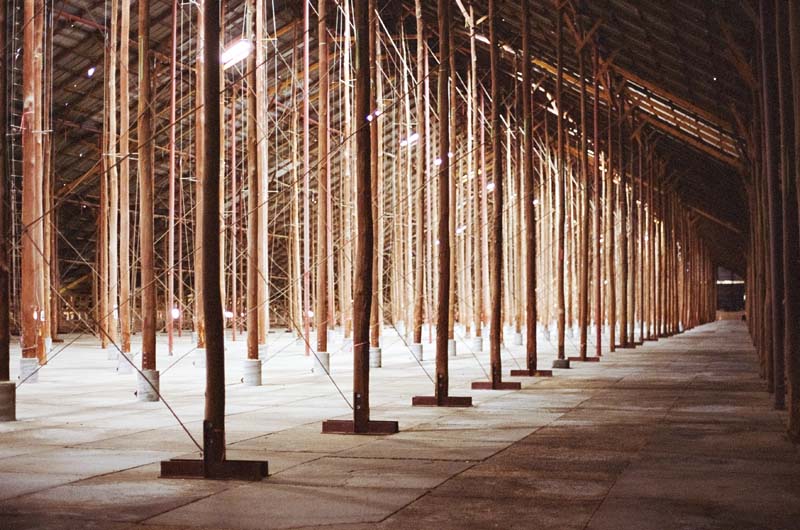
[
  {"x": 124, "y": 363},
  {"x": 252, "y": 372},
  {"x": 451, "y": 347},
  {"x": 48, "y": 345},
  {"x": 375, "y": 360},
  {"x": 517, "y": 339},
  {"x": 148, "y": 391},
  {"x": 26, "y": 368},
  {"x": 322, "y": 363},
  {"x": 263, "y": 351},
  {"x": 8, "y": 401},
  {"x": 416, "y": 350}
]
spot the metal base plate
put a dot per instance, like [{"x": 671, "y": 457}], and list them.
[
  {"x": 349, "y": 427},
  {"x": 449, "y": 401},
  {"x": 627, "y": 346},
  {"x": 561, "y": 363},
  {"x": 490, "y": 385},
  {"x": 531, "y": 373},
  {"x": 584, "y": 360},
  {"x": 251, "y": 470}
]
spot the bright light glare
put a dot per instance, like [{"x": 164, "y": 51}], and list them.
[
  {"x": 91, "y": 71},
  {"x": 176, "y": 313},
  {"x": 411, "y": 139},
  {"x": 236, "y": 52}
]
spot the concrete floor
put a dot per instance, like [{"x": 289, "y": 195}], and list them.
[{"x": 676, "y": 434}]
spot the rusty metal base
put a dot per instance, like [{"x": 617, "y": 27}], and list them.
[
  {"x": 349, "y": 427},
  {"x": 500, "y": 385},
  {"x": 582, "y": 360},
  {"x": 250, "y": 470},
  {"x": 433, "y": 401},
  {"x": 531, "y": 373}
]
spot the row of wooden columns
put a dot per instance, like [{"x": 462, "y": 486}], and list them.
[{"x": 773, "y": 265}]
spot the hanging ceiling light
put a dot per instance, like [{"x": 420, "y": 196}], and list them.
[{"x": 235, "y": 52}]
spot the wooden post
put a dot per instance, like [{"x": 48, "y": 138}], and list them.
[
  {"x": 478, "y": 191},
  {"x": 235, "y": 224},
  {"x": 611, "y": 290},
  {"x": 419, "y": 202},
  {"x": 253, "y": 200},
  {"x": 583, "y": 293},
  {"x": 496, "y": 261},
  {"x": 306, "y": 179},
  {"x": 771, "y": 130},
  {"x": 7, "y": 388},
  {"x": 146, "y": 190},
  {"x": 200, "y": 155},
  {"x": 322, "y": 312},
  {"x": 377, "y": 198},
  {"x": 623, "y": 233},
  {"x": 362, "y": 296},
  {"x": 597, "y": 228},
  {"x": 793, "y": 303},
  {"x": 441, "y": 397},
  {"x": 124, "y": 179},
  {"x": 113, "y": 179},
  {"x": 171, "y": 212},
  {"x": 529, "y": 185},
  {"x": 561, "y": 361}
]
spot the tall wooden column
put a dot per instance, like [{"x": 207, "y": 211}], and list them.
[
  {"x": 771, "y": 165},
  {"x": 124, "y": 179},
  {"x": 419, "y": 192},
  {"x": 441, "y": 397},
  {"x": 362, "y": 294},
  {"x": 146, "y": 149},
  {"x": 583, "y": 292},
  {"x": 496, "y": 256},
  {"x": 322, "y": 310},
  {"x": 253, "y": 199},
  {"x": 597, "y": 227},
  {"x": 793, "y": 296},
  {"x": 529, "y": 210},
  {"x": 561, "y": 178},
  {"x": 7, "y": 387},
  {"x": 214, "y": 464}
]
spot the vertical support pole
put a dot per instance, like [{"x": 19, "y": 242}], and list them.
[
  {"x": 171, "y": 212},
  {"x": 322, "y": 311},
  {"x": 362, "y": 295},
  {"x": 110, "y": 148},
  {"x": 306, "y": 177},
  {"x": 148, "y": 384},
  {"x": 623, "y": 232},
  {"x": 441, "y": 397},
  {"x": 235, "y": 225},
  {"x": 597, "y": 227},
  {"x": 200, "y": 155},
  {"x": 583, "y": 293},
  {"x": 7, "y": 387},
  {"x": 529, "y": 210},
  {"x": 771, "y": 128},
  {"x": 419, "y": 200},
  {"x": 253, "y": 200},
  {"x": 793, "y": 297},
  {"x": 611, "y": 289},
  {"x": 496, "y": 256},
  {"x": 214, "y": 419},
  {"x": 561, "y": 361},
  {"x": 124, "y": 180},
  {"x": 478, "y": 190},
  {"x": 377, "y": 198}
]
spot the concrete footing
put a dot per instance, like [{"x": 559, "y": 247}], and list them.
[
  {"x": 28, "y": 370},
  {"x": 561, "y": 363},
  {"x": 124, "y": 363},
  {"x": 451, "y": 347},
  {"x": 517, "y": 339},
  {"x": 416, "y": 350},
  {"x": 322, "y": 363},
  {"x": 375, "y": 360},
  {"x": 48, "y": 345},
  {"x": 148, "y": 391},
  {"x": 199, "y": 360},
  {"x": 252, "y": 372},
  {"x": 8, "y": 401},
  {"x": 263, "y": 351}
]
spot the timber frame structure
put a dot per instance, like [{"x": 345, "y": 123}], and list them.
[{"x": 563, "y": 174}]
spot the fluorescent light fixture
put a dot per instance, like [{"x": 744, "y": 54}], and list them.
[
  {"x": 235, "y": 52},
  {"x": 90, "y": 72}
]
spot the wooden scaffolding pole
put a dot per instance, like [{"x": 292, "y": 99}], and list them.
[
  {"x": 496, "y": 262},
  {"x": 419, "y": 192},
  {"x": 583, "y": 290},
  {"x": 477, "y": 191},
  {"x": 441, "y": 397},
  {"x": 253, "y": 200},
  {"x": 611, "y": 290},
  {"x": 262, "y": 117},
  {"x": 199, "y": 203},
  {"x": 306, "y": 178},
  {"x": 113, "y": 179},
  {"x": 596, "y": 226},
  {"x": 362, "y": 295}
]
